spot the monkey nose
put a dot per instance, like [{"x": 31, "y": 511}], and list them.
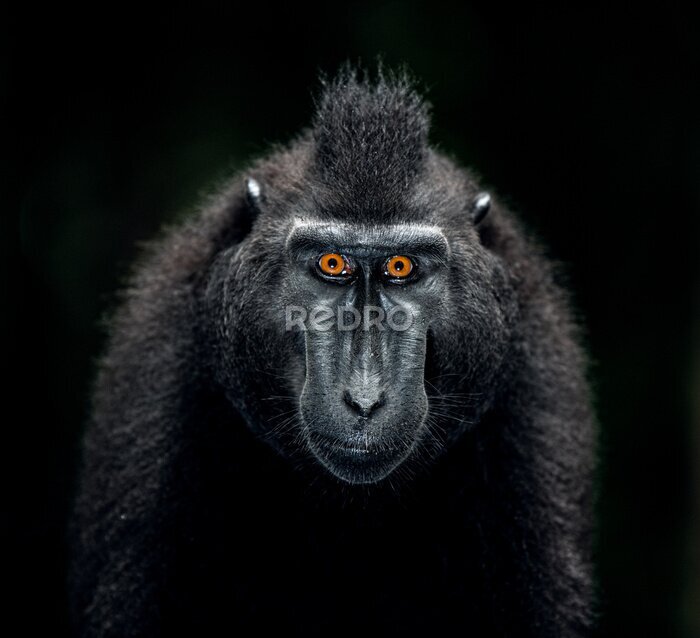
[{"x": 364, "y": 403}]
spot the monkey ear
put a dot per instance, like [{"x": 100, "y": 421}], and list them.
[
  {"x": 246, "y": 215},
  {"x": 253, "y": 193},
  {"x": 480, "y": 207}
]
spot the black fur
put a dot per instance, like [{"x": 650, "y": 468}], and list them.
[{"x": 202, "y": 508}]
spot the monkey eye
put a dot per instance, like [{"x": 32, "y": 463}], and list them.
[
  {"x": 398, "y": 267},
  {"x": 334, "y": 265}
]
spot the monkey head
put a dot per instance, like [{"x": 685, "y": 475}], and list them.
[{"x": 358, "y": 285}]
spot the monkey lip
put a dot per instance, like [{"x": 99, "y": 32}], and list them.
[
  {"x": 337, "y": 446},
  {"x": 354, "y": 452},
  {"x": 354, "y": 461}
]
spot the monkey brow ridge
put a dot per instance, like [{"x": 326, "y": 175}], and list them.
[{"x": 382, "y": 238}]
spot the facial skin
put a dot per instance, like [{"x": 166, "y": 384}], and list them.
[{"x": 363, "y": 405}]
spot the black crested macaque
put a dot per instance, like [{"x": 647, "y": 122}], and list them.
[{"x": 346, "y": 396}]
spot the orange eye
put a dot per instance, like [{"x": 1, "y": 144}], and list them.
[
  {"x": 398, "y": 267},
  {"x": 334, "y": 264}
]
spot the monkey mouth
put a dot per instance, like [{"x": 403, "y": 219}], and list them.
[
  {"x": 356, "y": 461},
  {"x": 336, "y": 446}
]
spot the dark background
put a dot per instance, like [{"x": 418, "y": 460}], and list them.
[{"x": 115, "y": 122}]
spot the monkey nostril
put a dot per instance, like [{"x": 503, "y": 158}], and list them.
[{"x": 364, "y": 405}]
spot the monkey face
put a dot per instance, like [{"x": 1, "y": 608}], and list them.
[{"x": 362, "y": 296}]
